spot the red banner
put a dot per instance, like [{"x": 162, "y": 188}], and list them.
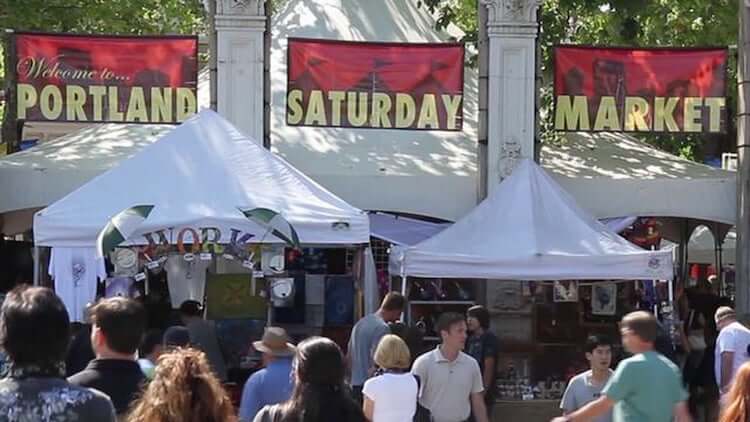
[
  {"x": 375, "y": 85},
  {"x": 78, "y": 78},
  {"x": 679, "y": 90}
]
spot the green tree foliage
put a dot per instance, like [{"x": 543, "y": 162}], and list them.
[{"x": 641, "y": 23}]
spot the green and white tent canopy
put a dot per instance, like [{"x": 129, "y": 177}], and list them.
[{"x": 201, "y": 175}]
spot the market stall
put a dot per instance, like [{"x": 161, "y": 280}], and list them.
[
  {"x": 540, "y": 254},
  {"x": 198, "y": 243}
]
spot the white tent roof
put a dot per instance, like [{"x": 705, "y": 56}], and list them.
[
  {"x": 197, "y": 176},
  {"x": 614, "y": 174},
  {"x": 41, "y": 175},
  {"x": 531, "y": 229}
]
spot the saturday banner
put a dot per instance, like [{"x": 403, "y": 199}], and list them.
[
  {"x": 95, "y": 78},
  {"x": 676, "y": 90},
  {"x": 375, "y": 85}
]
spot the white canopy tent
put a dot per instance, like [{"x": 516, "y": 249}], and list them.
[
  {"x": 197, "y": 176},
  {"x": 531, "y": 229},
  {"x": 702, "y": 250}
]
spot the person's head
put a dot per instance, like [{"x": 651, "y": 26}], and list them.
[
  {"x": 392, "y": 353},
  {"x": 392, "y": 306},
  {"x": 737, "y": 402},
  {"x": 176, "y": 336},
  {"x": 151, "y": 345},
  {"x": 34, "y": 326},
  {"x": 183, "y": 389},
  {"x": 274, "y": 344},
  {"x": 190, "y": 310},
  {"x": 478, "y": 317},
  {"x": 452, "y": 329},
  {"x": 724, "y": 316},
  {"x": 118, "y": 325},
  {"x": 319, "y": 391},
  {"x": 638, "y": 330},
  {"x": 599, "y": 352}
]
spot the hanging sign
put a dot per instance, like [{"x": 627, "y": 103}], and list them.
[
  {"x": 676, "y": 90},
  {"x": 375, "y": 85},
  {"x": 96, "y": 78}
]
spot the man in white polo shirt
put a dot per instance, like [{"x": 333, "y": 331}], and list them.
[{"x": 451, "y": 383}]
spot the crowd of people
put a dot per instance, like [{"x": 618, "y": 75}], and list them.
[{"x": 135, "y": 375}]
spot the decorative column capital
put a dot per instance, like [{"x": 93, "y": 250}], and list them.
[
  {"x": 504, "y": 12},
  {"x": 240, "y": 7}
]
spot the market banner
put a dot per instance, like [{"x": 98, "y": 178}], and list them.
[
  {"x": 375, "y": 85},
  {"x": 82, "y": 78},
  {"x": 677, "y": 90}
]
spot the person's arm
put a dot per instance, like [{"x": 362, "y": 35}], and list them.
[
  {"x": 727, "y": 366},
  {"x": 369, "y": 408},
  {"x": 681, "y": 412},
  {"x": 478, "y": 408},
  {"x": 249, "y": 404},
  {"x": 489, "y": 372},
  {"x": 489, "y": 359},
  {"x": 596, "y": 408}
]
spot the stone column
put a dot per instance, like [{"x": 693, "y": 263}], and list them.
[
  {"x": 240, "y": 25},
  {"x": 512, "y": 30}
]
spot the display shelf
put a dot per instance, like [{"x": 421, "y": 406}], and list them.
[{"x": 441, "y": 302}]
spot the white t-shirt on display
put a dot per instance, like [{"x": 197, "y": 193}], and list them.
[
  {"x": 186, "y": 279},
  {"x": 395, "y": 397},
  {"x": 735, "y": 338},
  {"x": 75, "y": 271}
]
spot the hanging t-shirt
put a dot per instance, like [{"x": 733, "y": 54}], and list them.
[
  {"x": 186, "y": 279},
  {"x": 75, "y": 271},
  {"x": 122, "y": 287}
]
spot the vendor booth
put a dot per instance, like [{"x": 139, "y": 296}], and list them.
[
  {"x": 552, "y": 273},
  {"x": 203, "y": 179}
]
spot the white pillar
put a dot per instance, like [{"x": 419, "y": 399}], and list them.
[
  {"x": 240, "y": 25},
  {"x": 512, "y": 30}
]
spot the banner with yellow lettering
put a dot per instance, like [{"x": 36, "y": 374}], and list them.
[
  {"x": 675, "y": 90},
  {"x": 95, "y": 78},
  {"x": 375, "y": 85}
]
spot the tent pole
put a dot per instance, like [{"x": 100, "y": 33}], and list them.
[
  {"x": 36, "y": 265},
  {"x": 403, "y": 288}
]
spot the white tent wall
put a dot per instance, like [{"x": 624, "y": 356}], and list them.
[{"x": 419, "y": 172}]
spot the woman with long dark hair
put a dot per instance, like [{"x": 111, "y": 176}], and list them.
[{"x": 320, "y": 394}]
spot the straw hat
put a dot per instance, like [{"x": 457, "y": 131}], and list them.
[{"x": 275, "y": 342}]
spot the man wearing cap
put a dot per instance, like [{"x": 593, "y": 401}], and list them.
[
  {"x": 731, "y": 347},
  {"x": 272, "y": 384}
]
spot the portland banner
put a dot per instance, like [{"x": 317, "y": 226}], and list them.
[
  {"x": 82, "y": 78},
  {"x": 677, "y": 90},
  {"x": 375, "y": 85}
]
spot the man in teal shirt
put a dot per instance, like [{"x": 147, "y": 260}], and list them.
[{"x": 646, "y": 387}]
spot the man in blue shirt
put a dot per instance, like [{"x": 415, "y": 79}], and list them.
[{"x": 272, "y": 384}]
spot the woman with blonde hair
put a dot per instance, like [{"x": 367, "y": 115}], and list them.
[
  {"x": 391, "y": 396},
  {"x": 737, "y": 401},
  {"x": 184, "y": 389}
]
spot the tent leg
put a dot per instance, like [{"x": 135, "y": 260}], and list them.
[
  {"x": 403, "y": 291},
  {"x": 37, "y": 272}
]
